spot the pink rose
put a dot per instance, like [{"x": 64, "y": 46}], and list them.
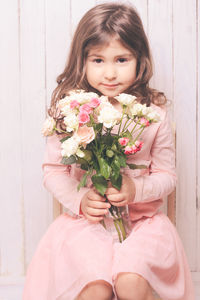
[
  {"x": 134, "y": 148},
  {"x": 138, "y": 145},
  {"x": 128, "y": 150},
  {"x": 85, "y": 108},
  {"x": 86, "y": 135},
  {"x": 94, "y": 102},
  {"x": 83, "y": 117},
  {"x": 123, "y": 141},
  {"x": 144, "y": 122},
  {"x": 74, "y": 104}
]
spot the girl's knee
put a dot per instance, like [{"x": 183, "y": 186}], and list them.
[
  {"x": 131, "y": 286},
  {"x": 98, "y": 290}
]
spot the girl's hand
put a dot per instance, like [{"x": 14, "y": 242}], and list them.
[
  {"x": 93, "y": 206},
  {"x": 125, "y": 195}
]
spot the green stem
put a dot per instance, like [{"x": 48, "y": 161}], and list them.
[
  {"x": 126, "y": 126},
  {"x": 121, "y": 225},
  {"x": 138, "y": 135},
  {"x": 124, "y": 107},
  {"x": 60, "y": 130},
  {"x": 103, "y": 223},
  {"x": 118, "y": 231}
]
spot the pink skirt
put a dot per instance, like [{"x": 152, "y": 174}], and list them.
[{"x": 74, "y": 252}]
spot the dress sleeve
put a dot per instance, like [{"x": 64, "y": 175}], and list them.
[
  {"x": 61, "y": 180},
  {"x": 161, "y": 180}
]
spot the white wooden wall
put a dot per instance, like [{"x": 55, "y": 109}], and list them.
[{"x": 34, "y": 41}]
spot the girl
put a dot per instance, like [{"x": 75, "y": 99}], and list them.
[{"x": 77, "y": 258}]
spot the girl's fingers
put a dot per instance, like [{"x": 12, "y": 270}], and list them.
[
  {"x": 119, "y": 204},
  {"x": 93, "y": 219},
  {"x": 96, "y": 212},
  {"x": 115, "y": 197},
  {"x": 111, "y": 190},
  {"x": 96, "y": 197},
  {"x": 98, "y": 204}
]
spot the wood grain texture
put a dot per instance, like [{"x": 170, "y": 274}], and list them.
[
  {"x": 198, "y": 136},
  {"x": 11, "y": 199},
  {"x": 32, "y": 85},
  {"x": 185, "y": 82},
  {"x": 160, "y": 36},
  {"x": 35, "y": 40}
]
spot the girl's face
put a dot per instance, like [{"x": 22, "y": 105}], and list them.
[{"x": 111, "y": 69}]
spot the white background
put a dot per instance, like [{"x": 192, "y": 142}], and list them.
[{"x": 34, "y": 40}]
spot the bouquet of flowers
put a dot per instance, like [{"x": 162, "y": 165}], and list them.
[{"x": 89, "y": 140}]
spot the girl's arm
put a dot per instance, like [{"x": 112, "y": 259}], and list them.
[
  {"x": 58, "y": 178},
  {"x": 162, "y": 178}
]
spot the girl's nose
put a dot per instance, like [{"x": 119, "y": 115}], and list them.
[{"x": 110, "y": 72}]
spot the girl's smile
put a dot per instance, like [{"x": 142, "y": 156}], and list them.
[{"x": 111, "y": 69}]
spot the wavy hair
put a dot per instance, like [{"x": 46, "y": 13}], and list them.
[{"x": 96, "y": 27}]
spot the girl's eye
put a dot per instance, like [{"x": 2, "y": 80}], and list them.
[
  {"x": 98, "y": 60},
  {"x": 122, "y": 60}
]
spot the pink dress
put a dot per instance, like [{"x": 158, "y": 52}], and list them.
[{"x": 74, "y": 251}]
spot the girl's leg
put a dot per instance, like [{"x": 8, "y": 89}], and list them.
[
  {"x": 98, "y": 290},
  {"x": 131, "y": 286}
]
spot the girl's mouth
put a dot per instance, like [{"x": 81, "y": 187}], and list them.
[{"x": 110, "y": 85}]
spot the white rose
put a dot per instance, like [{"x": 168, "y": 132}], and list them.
[
  {"x": 80, "y": 153},
  {"x": 109, "y": 116},
  {"x": 48, "y": 126},
  {"x": 145, "y": 109},
  {"x": 125, "y": 99},
  {"x": 153, "y": 116},
  {"x": 66, "y": 110},
  {"x": 72, "y": 122},
  {"x": 136, "y": 109},
  {"x": 69, "y": 147},
  {"x": 81, "y": 96},
  {"x": 63, "y": 102}
]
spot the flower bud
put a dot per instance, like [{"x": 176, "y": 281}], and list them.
[
  {"x": 114, "y": 148},
  {"x": 109, "y": 153},
  {"x": 88, "y": 155}
]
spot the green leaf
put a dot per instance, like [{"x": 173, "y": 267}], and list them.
[
  {"x": 83, "y": 181},
  {"x": 88, "y": 155},
  {"x": 116, "y": 182},
  {"x": 68, "y": 160},
  {"x": 133, "y": 166},
  {"x": 105, "y": 169},
  {"x": 85, "y": 167},
  {"x": 107, "y": 140},
  {"x": 98, "y": 127},
  {"x": 65, "y": 138},
  {"x": 100, "y": 183},
  {"x": 115, "y": 165},
  {"x": 122, "y": 160}
]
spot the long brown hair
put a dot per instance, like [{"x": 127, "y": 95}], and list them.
[{"x": 96, "y": 27}]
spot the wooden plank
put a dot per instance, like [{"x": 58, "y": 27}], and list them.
[
  {"x": 11, "y": 288},
  {"x": 196, "y": 282},
  {"x": 198, "y": 138},
  {"x": 58, "y": 39},
  {"x": 78, "y": 9},
  {"x": 37, "y": 208},
  {"x": 160, "y": 35},
  {"x": 11, "y": 212},
  {"x": 141, "y": 7},
  {"x": 184, "y": 26}
]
